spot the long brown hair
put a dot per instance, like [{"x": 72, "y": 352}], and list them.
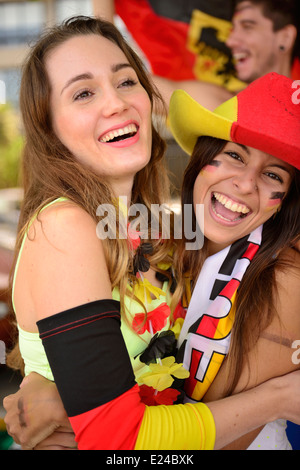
[
  {"x": 50, "y": 171},
  {"x": 256, "y": 296}
]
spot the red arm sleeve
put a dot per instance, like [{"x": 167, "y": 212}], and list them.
[{"x": 94, "y": 377}]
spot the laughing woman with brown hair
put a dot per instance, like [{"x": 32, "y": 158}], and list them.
[{"x": 243, "y": 317}]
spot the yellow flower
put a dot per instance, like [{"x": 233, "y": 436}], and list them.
[
  {"x": 144, "y": 289},
  {"x": 164, "y": 266},
  {"x": 176, "y": 328},
  {"x": 160, "y": 375}
]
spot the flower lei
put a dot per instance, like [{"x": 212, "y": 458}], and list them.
[{"x": 155, "y": 385}]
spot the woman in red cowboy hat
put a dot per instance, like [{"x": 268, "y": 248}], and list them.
[{"x": 243, "y": 318}]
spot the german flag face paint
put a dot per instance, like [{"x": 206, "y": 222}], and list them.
[
  {"x": 275, "y": 200},
  {"x": 215, "y": 164},
  {"x": 211, "y": 167}
]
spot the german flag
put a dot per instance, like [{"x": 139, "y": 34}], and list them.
[
  {"x": 209, "y": 338},
  {"x": 183, "y": 40}
]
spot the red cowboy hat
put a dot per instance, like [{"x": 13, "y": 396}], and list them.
[{"x": 265, "y": 116}]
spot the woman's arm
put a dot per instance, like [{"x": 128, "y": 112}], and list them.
[
  {"x": 207, "y": 94},
  {"x": 244, "y": 412},
  {"x": 60, "y": 265},
  {"x": 86, "y": 351},
  {"x": 104, "y": 9},
  {"x": 36, "y": 412},
  {"x": 272, "y": 356}
]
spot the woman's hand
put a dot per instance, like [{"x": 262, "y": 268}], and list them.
[
  {"x": 289, "y": 385},
  {"x": 62, "y": 439},
  {"x": 36, "y": 418}
]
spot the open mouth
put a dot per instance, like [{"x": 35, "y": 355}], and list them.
[
  {"x": 240, "y": 57},
  {"x": 119, "y": 134},
  {"x": 228, "y": 210}
]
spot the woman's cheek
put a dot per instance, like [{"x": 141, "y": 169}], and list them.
[
  {"x": 211, "y": 167},
  {"x": 275, "y": 201}
]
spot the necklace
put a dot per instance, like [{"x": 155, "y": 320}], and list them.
[{"x": 160, "y": 384}]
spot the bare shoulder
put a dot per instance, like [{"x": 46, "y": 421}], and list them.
[
  {"x": 61, "y": 221},
  {"x": 292, "y": 257},
  {"x": 287, "y": 293},
  {"x": 288, "y": 274},
  {"x": 63, "y": 261}
]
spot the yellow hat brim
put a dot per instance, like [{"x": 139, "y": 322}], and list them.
[{"x": 188, "y": 120}]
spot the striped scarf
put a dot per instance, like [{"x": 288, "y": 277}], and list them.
[{"x": 205, "y": 337}]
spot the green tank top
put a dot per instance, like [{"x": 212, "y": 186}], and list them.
[{"x": 31, "y": 346}]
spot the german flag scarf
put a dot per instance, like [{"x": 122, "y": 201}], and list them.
[{"x": 205, "y": 337}]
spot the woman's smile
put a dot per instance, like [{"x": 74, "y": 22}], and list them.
[
  {"x": 228, "y": 210},
  {"x": 100, "y": 110},
  {"x": 240, "y": 190},
  {"x": 120, "y": 134}
]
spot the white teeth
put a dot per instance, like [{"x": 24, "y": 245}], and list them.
[
  {"x": 240, "y": 55},
  {"x": 131, "y": 128},
  {"x": 231, "y": 205}
]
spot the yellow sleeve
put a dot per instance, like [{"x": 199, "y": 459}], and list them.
[{"x": 177, "y": 427}]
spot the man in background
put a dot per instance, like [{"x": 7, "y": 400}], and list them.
[
  {"x": 264, "y": 38},
  {"x": 189, "y": 44},
  {"x": 183, "y": 44}
]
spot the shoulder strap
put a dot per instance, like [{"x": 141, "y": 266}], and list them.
[{"x": 60, "y": 199}]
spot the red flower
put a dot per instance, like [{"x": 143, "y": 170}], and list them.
[
  {"x": 133, "y": 238},
  {"x": 156, "y": 320},
  {"x": 179, "y": 312},
  {"x": 152, "y": 397}
]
